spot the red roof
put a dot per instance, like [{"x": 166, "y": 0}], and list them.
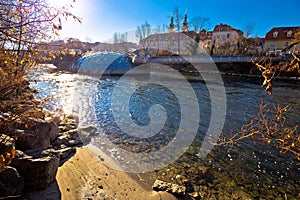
[
  {"x": 224, "y": 27},
  {"x": 205, "y": 34},
  {"x": 191, "y": 34},
  {"x": 282, "y": 33}
]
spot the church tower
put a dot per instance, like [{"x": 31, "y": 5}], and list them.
[
  {"x": 171, "y": 25},
  {"x": 185, "y": 27}
]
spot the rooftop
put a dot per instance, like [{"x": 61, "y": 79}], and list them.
[{"x": 282, "y": 33}]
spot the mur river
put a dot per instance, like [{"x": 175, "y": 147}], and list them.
[{"x": 246, "y": 170}]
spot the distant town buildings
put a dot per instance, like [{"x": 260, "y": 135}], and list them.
[
  {"x": 223, "y": 40},
  {"x": 279, "y": 38}
]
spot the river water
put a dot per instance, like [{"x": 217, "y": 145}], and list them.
[{"x": 246, "y": 170}]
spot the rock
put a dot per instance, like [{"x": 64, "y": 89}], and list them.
[
  {"x": 66, "y": 152},
  {"x": 91, "y": 130},
  {"x": 6, "y": 144},
  {"x": 38, "y": 136},
  {"x": 38, "y": 168},
  {"x": 67, "y": 124},
  {"x": 86, "y": 133},
  {"x": 11, "y": 183},
  {"x": 174, "y": 189},
  {"x": 4, "y": 116},
  {"x": 242, "y": 194},
  {"x": 69, "y": 138},
  {"x": 52, "y": 192},
  {"x": 7, "y": 150}
]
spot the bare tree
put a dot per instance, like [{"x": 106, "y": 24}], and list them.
[
  {"x": 25, "y": 28},
  {"x": 119, "y": 37},
  {"x": 249, "y": 27},
  {"x": 116, "y": 38},
  {"x": 143, "y": 31},
  {"x": 270, "y": 126},
  {"x": 178, "y": 18},
  {"x": 200, "y": 23}
]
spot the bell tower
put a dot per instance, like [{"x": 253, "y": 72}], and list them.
[
  {"x": 185, "y": 27},
  {"x": 171, "y": 25}
]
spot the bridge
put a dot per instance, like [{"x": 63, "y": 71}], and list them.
[{"x": 201, "y": 59}]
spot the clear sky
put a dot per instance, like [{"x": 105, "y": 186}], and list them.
[{"x": 102, "y": 18}]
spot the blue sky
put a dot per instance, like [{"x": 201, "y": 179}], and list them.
[{"x": 102, "y": 18}]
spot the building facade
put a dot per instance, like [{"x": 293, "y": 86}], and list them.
[
  {"x": 227, "y": 40},
  {"x": 180, "y": 43},
  {"x": 279, "y": 38},
  {"x": 205, "y": 39}
]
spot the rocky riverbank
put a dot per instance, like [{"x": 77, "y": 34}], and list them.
[
  {"x": 49, "y": 164},
  {"x": 40, "y": 147},
  {"x": 42, "y": 159}
]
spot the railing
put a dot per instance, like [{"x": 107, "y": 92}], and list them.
[{"x": 198, "y": 59}]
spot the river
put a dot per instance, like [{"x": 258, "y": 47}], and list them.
[{"x": 246, "y": 170}]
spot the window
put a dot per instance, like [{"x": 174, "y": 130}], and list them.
[
  {"x": 228, "y": 35},
  {"x": 289, "y": 33},
  {"x": 286, "y": 44},
  {"x": 275, "y": 34}
]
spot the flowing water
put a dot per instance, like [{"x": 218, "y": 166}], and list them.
[{"x": 244, "y": 171}]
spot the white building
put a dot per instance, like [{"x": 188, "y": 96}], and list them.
[
  {"x": 226, "y": 38},
  {"x": 181, "y": 43}
]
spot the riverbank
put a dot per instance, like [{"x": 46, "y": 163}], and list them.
[{"x": 84, "y": 177}]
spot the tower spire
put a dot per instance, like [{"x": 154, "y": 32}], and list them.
[
  {"x": 185, "y": 26},
  {"x": 171, "y": 25}
]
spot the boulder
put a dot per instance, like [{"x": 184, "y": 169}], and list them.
[
  {"x": 86, "y": 133},
  {"x": 52, "y": 192},
  {"x": 6, "y": 144},
  {"x": 38, "y": 136},
  {"x": 38, "y": 168},
  {"x": 65, "y": 153},
  {"x": 11, "y": 183},
  {"x": 177, "y": 190},
  {"x": 69, "y": 139},
  {"x": 68, "y": 123},
  {"x": 7, "y": 150}
]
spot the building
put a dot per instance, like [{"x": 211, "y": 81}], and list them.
[
  {"x": 279, "y": 38},
  {"x": 185, "y": 26},
  {"x": 254, "y": 46},
  {"x": 205, "y": 38},
  {"x": 227, "y": 40},
  {"x": 182, "y": 43}
]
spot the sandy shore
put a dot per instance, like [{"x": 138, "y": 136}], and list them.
[{"x": 84, "y": 177}]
